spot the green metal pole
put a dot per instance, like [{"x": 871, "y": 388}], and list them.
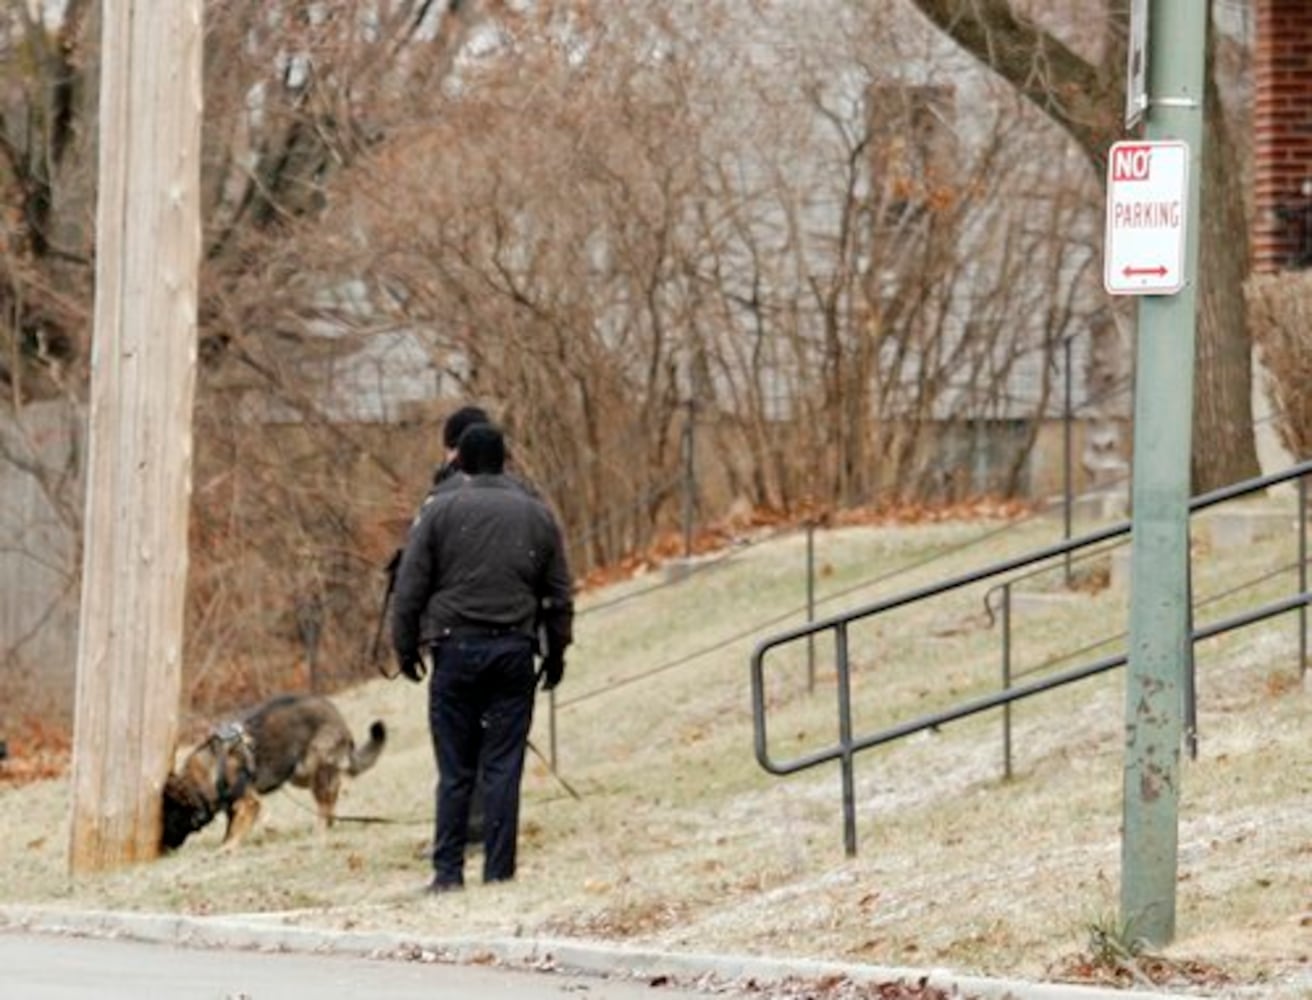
[{"x": 1163, "y": 411}]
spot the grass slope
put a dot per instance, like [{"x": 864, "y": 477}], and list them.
[{"x": 681, "y": 841}]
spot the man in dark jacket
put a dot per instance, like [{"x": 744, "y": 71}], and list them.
[
  {"x": 484, "y": 568},
  {"x": 447, "y": 474}
]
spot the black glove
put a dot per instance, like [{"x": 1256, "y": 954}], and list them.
[
  {"x": 413, "y": 668},
  {"x": 553, "y": 669}
]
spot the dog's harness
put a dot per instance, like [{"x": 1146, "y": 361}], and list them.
[
  {"x": 194, "y": 807},
  {"x": 232, "y": 735}
]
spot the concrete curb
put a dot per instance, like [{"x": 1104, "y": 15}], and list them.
[{"x": 547, "y": 954}]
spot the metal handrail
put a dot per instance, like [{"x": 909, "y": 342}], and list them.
[
  {"x": 1197, "y": 503},
  {"x": 848, "y": 745}
]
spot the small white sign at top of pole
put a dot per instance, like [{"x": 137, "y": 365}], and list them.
[
  {"x": 1136, "y": 68},
  {"x": 1147, "y": 202}
]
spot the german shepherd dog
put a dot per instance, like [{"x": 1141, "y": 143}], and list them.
[{"x": 298, "y": 738}]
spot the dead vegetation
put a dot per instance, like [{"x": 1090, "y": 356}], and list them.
[
  {"x": 1278, "y": 306},
  {"x": 627, "y": 235}
]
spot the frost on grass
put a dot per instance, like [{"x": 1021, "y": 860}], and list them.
[{"x": 681, "y": 841}]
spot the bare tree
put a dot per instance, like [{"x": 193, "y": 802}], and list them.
[
  {"x": 533, "y": 238},
  {"x": 294, "y": 93},
  {"x": 1070, "y": 65},
  {"x": 601, "y": 224},
  {"x": 871, "y": 253}
]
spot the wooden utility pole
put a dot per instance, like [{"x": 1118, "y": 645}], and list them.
[{"x": 143, "y": 369}]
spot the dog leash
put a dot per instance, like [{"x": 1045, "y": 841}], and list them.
[
  {"x": 390, "y": 572},
  {"x": 388, "y": 820},
  {"x": 393, "y": 821},
  {"x": 573, "y": 793}
]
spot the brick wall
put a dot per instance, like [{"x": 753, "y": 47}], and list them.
[{"x": 1282, "y": 139}]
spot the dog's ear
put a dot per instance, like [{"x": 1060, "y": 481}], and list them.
[{"x": 234, "y": 762}]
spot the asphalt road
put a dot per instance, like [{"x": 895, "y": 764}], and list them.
[{"x": 47, "y": 967}]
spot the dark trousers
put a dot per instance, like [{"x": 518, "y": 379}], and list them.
[{"x": 480, "y": 706}]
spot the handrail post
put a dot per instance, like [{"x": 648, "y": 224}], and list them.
[
  {"x": 689, "y": 476},
  {"x": 551, "y": 725},
  {"x": 810, "y": 605},
  {"x": 1006, "y": 679},
  {"x": 1302, "y": 577},
  {"x": 1068, "y": 446},
  {"x": 1190, "y": 664},
  {"x": 845, "y": 741}
]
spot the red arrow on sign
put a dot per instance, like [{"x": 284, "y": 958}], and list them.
[{"x": 1159, "y": 271}]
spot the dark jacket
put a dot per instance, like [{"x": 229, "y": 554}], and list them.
[
  {"x": 482, "y": 553},
  {"x": 448, "y": 476}
]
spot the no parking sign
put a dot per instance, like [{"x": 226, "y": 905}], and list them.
[{"x": 1147, "y": 201}]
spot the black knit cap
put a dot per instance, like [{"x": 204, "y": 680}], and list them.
[
  {"x": 482, "y": 450},
  {"x": 456, "y": 423}
]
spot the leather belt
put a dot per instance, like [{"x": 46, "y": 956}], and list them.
[{"x": 480, "y": 632}]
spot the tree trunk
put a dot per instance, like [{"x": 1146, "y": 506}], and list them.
[{"x": 1224, "y": 446}]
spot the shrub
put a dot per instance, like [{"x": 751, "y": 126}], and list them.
[{"x": 1280, "y": 316}]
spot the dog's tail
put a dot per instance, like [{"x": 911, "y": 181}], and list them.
[{"x": 364, "y": 757}]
